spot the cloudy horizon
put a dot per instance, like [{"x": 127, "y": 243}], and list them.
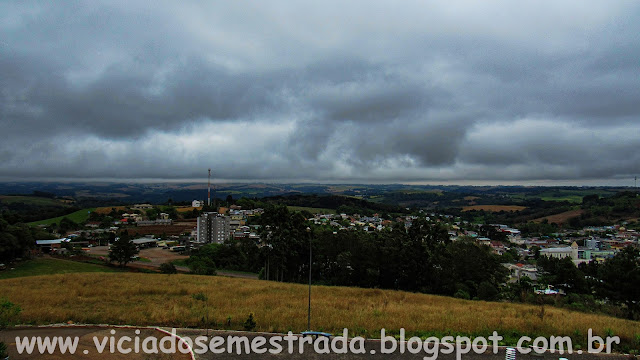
[{"x": 360, "y": 92}]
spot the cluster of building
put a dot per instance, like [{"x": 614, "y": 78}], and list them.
[
  {"x": 598, "y": 243},
  {"x": 217, "y": 227},
  {"x": 357, "y": 221}
]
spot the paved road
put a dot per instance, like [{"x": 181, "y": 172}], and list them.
[
  {"x": 370, "y": 345},
  {"x": 86, "y": 343}
]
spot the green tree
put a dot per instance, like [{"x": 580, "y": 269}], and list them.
[
  {"x": 487, "y": 292},
  {"x": 201, "y": 265},
  {"x": 122, "y": 250},
  {"x": 16, "y": 240},
  {"x": 620, "y": 277},
  {"x": 286, "y": 244},
  {"x": 168, "y": 268},
  {"x": 562, "y": 273}
]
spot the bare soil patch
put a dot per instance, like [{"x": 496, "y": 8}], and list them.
[{"x": 562, "y": 217}]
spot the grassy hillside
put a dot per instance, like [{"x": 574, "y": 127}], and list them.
[
  {"x": 32, "y": 200},
  {"x": 79, "y": 216},
  {"x": 49, "y": 266},
  {"x": 145, "y": 299}
]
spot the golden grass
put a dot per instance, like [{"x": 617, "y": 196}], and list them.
[
  {"x": 155, "y": 299},
  {"x": 107, "y": 209},
  {"x": 494, "y": 208}
]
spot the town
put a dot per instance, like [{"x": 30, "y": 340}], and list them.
[{"x": 181, "y": 233}]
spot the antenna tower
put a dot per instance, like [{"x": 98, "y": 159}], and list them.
[{"x": 209, "y": 190}]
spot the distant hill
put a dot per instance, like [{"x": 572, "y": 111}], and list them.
[{"x": 534, "y": 202}]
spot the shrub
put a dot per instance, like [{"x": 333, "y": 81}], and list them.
[
  {"x": 461, "y": 294},
  {"x": 168, "y": 268},
  {"x": 250, "y": 323},
  {"x": 200, "y": 297},
  {"x": 8, "y": 313}
]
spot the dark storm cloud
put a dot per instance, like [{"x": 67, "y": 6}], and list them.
[
  {"x": 363, "y": 91},
  {"x": 124, "y": 102}
]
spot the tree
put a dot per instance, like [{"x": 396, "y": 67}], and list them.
[
  {"x": 201, "y": 265},
  {"x": 286, "y": 244},
  {"x": 562, "y": 273},
  {"x": 168, "y": 268},
  {"x": 620, "y": 277},
  {"x": 487, "y": 292},
  {"x": 67, "y": 225},
  {"x": 16, "y": 240},
  {"x": 122, "y": 250}
]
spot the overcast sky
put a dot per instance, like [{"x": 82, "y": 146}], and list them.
[{"x": 341, "y": 91}]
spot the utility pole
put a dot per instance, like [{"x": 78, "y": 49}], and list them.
[
  {"x": 310, "y": 262},
  {"x": 309, "y": 309}
]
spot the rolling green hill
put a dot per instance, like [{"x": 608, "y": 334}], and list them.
[{"x": 79, "y": 216}]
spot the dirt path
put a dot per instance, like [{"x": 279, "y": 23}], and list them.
[{"x": 159, "y": 256}]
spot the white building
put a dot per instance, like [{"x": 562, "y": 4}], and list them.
[
  {"x": 197, "y": 203},
  {"x": 561, "y": 252}
]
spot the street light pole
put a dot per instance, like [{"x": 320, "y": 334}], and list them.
[{"x": 309, "y": 308}]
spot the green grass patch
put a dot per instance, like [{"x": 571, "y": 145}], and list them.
[
  {"x": 180, "y": 262},
  {"x": 570, "y": 198},
  {"x": 312, "y": 209},
  {"x": 48, "y": 266},
  {"x": 78, "y": 217}
]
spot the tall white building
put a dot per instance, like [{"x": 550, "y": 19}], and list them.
[{"x": 213, "y": 228}]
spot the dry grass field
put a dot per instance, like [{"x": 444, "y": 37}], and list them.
[
  {"x": 107, "y": 209},
  {"x": 181, "y": 209},
  {"x": 155, "y": 299},
  {"x": 494, "y": 208}
]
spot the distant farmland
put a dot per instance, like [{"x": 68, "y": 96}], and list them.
[
  {"x": 33, "y": 200},
  {"x": 562, "y": 217},
  {"x": 107, "y": 209},
  {"x": 312, "y": 210},
  {"x": 494, "y": 208}
]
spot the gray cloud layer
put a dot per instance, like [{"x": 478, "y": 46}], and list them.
[{"x": 362, "y": 91}]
